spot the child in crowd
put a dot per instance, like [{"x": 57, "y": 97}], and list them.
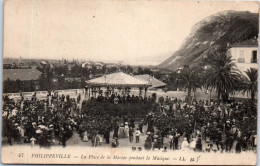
[
  {"x": 137, "y": 135},
  {"x": 32, "y": 141}
]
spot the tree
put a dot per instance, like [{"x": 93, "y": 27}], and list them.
[
  {"x": 11, "y": 86},
  {"x": 85, "y": 73},
  {"x": 94, "y": 70},
  {"x": 222, "y": 75},
  {"x": 46, "y": 81},
  {"x": 172, "y": 81},
  {"x": 104, "y": 69},
  {"x": 122, "y": 68},
  {"x": 250, "y": 82},
  {"x": 111, "y": 69},
  {"x": 76, "y": 71},
  {"x": 147, "y": 71},
  {"x": 61, "y": 70},
  {"x": 129, "y": 69},
  {"x": 190, "y": 79},
  {"x": 140, "y": 70}
]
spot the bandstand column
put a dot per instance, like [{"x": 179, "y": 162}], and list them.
[
  {"x": 125, "y": 91},
  {"x": 95, "y": 92},
  {"x": 99, "y": 91},
  {"x": 86, "y": 93},
  {"x": 89, "y": 92},
  {"x": 107, "y": 92},
  {"x": 140, "y": 91},
  {"x": 145, "y": 91},
  {"x": 122, "y": 91},
  {"x": 113, "y": 90},
  {"x": 92, "y": 92}
]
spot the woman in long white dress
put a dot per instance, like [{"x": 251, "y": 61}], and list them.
[
  {"x": 85, "y": 136},
  {"x": 100, "y": 139},
  {"x": 126, "y": 130},
  {"x": 185, "y": 145}
]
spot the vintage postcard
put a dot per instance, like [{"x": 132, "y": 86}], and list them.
[{"x": 140, "y": 82}]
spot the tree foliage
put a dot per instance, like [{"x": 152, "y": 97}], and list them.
[
  {"x": 222, "y": 74},
  {"x": 190, "y": 78},
  {"x": 250, "y": 82}
]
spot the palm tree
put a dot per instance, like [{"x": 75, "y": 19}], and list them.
[
  {"x": 222, "y": 75},
  {"x": 190, "y": 79},
  {"x": 250, "y": 84}
]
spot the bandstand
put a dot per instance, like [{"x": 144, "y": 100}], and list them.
[{"x": 107, "y": 84}]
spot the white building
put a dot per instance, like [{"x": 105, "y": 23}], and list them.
[
  {"x": 245, "y": 54},
  {"x": 87, "y": 65},
  {"x": 110, "y": 66},
  {"x": 99, "y": 66}
]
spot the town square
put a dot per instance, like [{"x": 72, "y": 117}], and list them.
[{"x": 104, "y": 82}]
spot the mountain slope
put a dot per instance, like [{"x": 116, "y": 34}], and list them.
[{"x": 212, "y": 34}]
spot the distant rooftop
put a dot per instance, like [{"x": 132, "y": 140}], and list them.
[
  {"x": 21, "y": 74},
  {"x": 155, "y": 82},
  {"x": 253, "y": 42}
]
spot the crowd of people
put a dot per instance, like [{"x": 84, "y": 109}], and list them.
[
  {"x": 220, "y": 126},
  {"x": 44, "y": 122},
  {"x": 170, "y": 123},
  {"x": 53, "y": 120},
  {"x": 116, "y": 98}
]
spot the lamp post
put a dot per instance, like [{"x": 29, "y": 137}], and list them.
[
  {"x": 177, "y": 84},
  {"x": 210, "y": 89},
  {"x": 140, "y": 91}
]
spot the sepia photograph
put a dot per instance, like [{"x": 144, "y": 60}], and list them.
[{"x": 132, "y": 82}]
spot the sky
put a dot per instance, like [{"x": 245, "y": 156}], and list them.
[{"x": 143, "y": 32}]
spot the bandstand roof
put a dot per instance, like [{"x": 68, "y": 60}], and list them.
[{"x": 118, "y": 79}]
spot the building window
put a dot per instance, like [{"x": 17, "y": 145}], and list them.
[
  {"x": 241, "y": 58},
  {"x": 254, "y": 57}
]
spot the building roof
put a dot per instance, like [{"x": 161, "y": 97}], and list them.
[
  {"x": 85, "y": 64},
  {"x": 253, "y": 42},
  {"x": 118, "y": 79},
  {"x": 99, "y": 64},
  {"x": 155, "y": 82},
  {"x": 21, "y": 74},
  {"x": 44, "y": 62}
]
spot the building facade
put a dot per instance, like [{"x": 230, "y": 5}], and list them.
[{"x": 245, "y": 54}]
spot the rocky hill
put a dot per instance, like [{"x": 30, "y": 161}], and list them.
[{"x": 213, "y": 34}]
